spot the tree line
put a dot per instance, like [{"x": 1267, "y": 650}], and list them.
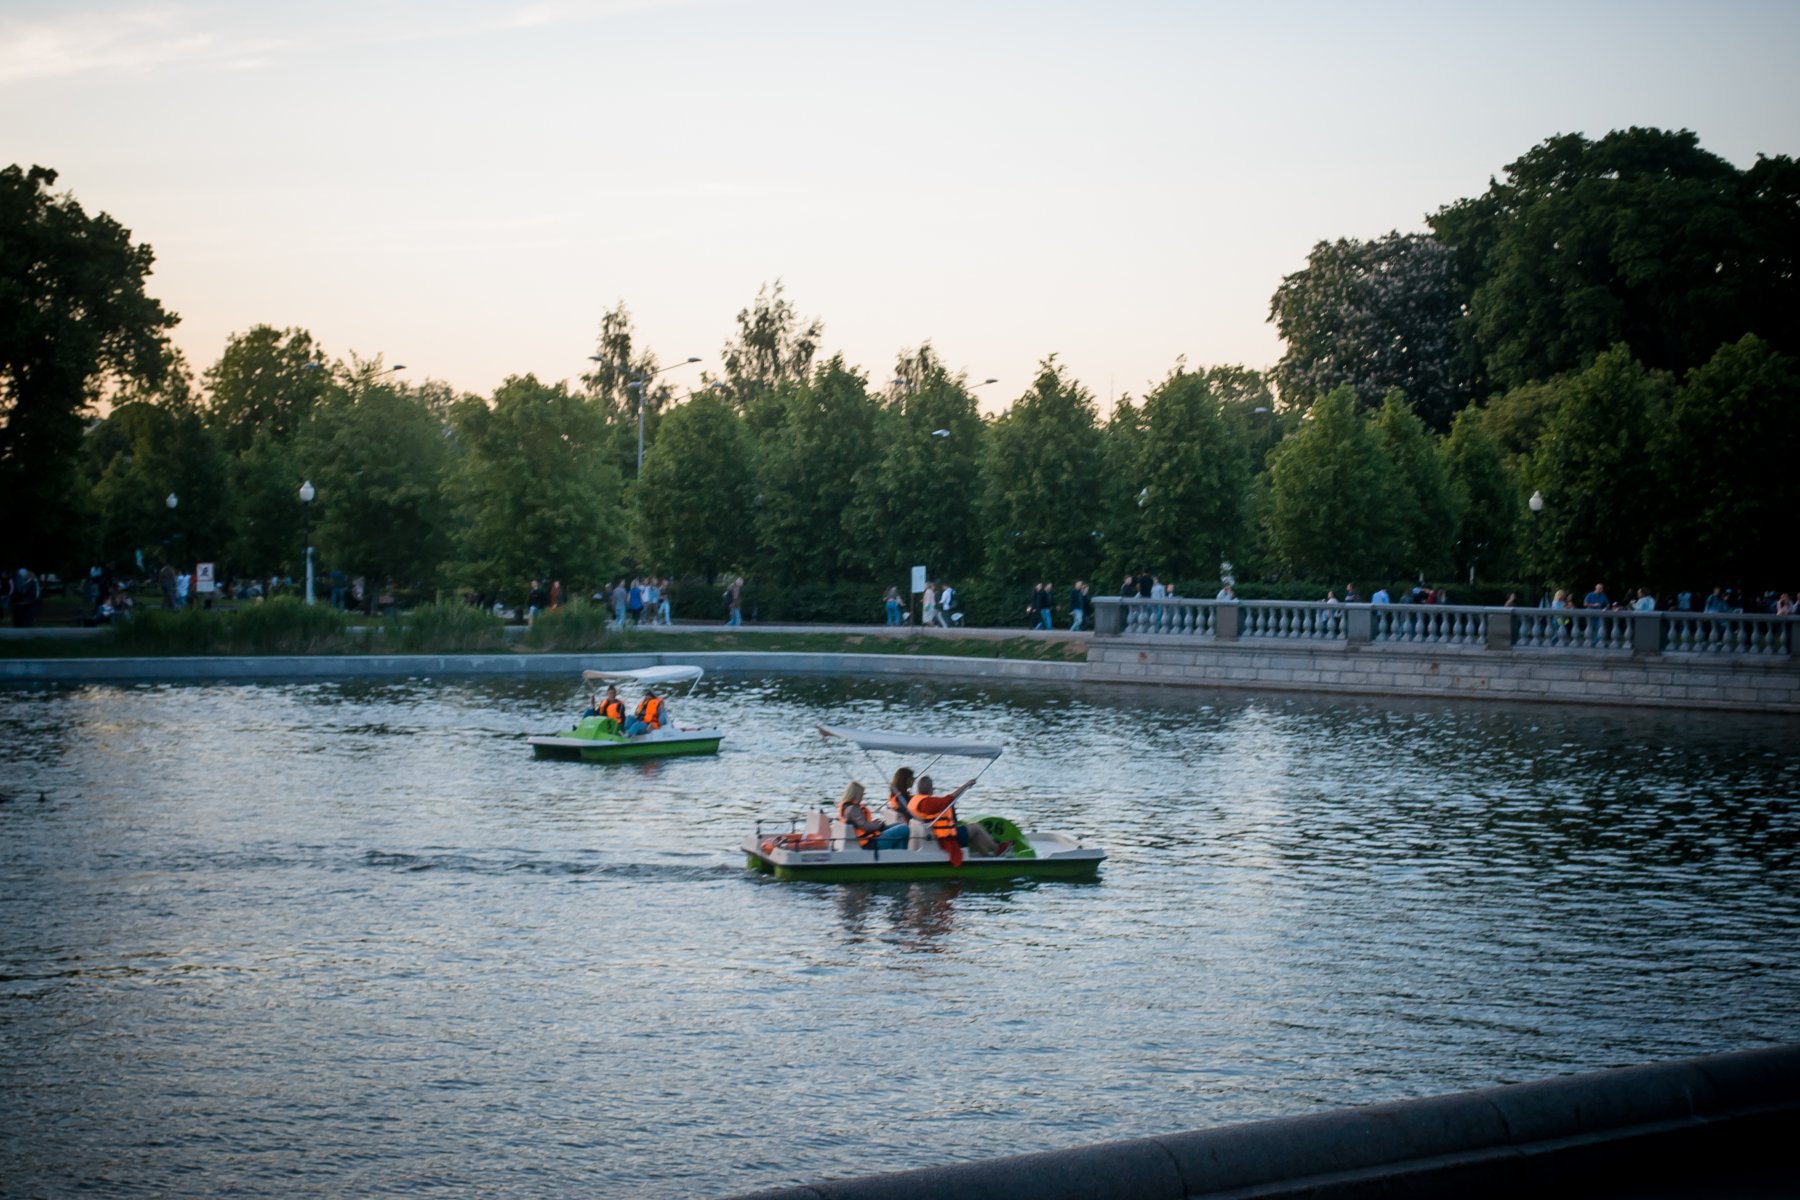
[{"x": 1607, "y": 326}]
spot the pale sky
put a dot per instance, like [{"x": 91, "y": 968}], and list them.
[{"x": 466, "y": 187}]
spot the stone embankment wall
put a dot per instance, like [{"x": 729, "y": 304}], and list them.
[{"x": 1640, "y": 660}]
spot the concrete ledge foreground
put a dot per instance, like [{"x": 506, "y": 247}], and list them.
[{"x": 1724, "y": 1125}]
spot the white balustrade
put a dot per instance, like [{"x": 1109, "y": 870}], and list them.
[{"x": 1562, "y": 630}]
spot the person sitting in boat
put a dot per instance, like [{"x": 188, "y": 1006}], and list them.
[
  {"x": 940, "y": 811},
  {"x": 652, "y": 713},
  {"x": 900, "y": 791},
  {"x": 610, "y": 707},
  {"x": 870, "y": 833}
]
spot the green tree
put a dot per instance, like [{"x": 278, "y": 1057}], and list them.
[
  {"x": 695, "y": 499},
  {"x": 1117, "y": 515},
  {"x": 1485, "y": 496},
  {"x": 1425, "y": 517},
  {"x": 773, "y": 351},
  {"x": 809, "y": 472},
  {"x": 1723, "y": 465},
  {"x": 1247, "y": 401},
  {"x": 1332, "y": 495},
  {"x": 1641, "y": 238},
  {"x": 1042, "y": 482},
  {"x": 154, "y": 444},
  {"x": 74, "y": 319},
  {"x": 914, "y": 506},
  {"x": 1374, "y": 316},
  {"x": 533, "y": 492},
  {"x": 622, "y": 378},
  {"x": 268, "y": 523},
  {"x": 267, "y": 381},
  {"x": 1196, "y": 480},
  {"x": 1594, "y": 468},
  {"x": 376, "y": 457}
]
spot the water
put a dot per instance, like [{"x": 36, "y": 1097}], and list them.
[{"x": 319, "y": 938}]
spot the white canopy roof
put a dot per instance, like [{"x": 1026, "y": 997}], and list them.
[
  {"x": 649, "y": 676},
  {"x": 906, "y": 743}
]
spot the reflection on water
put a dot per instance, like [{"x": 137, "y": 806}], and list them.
[{"x": 352, "y": 937}]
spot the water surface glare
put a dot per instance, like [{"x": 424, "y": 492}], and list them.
[{"x": 351, "y": 938}]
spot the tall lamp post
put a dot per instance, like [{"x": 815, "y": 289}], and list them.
[
  {"x": 637, "y": 385},
  {"x": 1536, "y": 505},
  {"x": 307, "y": 492}
]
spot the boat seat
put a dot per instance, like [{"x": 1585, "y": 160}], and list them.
[
  {"x": 919, "y": 835},
  {"x": 843, "y": 835}
]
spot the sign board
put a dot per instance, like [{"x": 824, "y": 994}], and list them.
[
  {"x": 918, "y": 580},
  {"x": 203, "y": 577}
]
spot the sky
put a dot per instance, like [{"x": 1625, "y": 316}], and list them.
[{"x": 466, "y": 188}]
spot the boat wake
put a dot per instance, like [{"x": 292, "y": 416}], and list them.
[{"x": 524, "y": 862}]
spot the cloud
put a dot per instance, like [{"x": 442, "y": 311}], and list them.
[
  {"x": 131, "y": 40},
  {"x": 144, "y": 37}
]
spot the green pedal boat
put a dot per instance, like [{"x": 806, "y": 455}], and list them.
[
  {"x": 824, "y": 849},
  {"x": 599, "y": 739}
]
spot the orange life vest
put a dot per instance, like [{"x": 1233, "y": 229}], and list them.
[
  {"x": 941, "y": 812},
  {"x": 649, "y": 711},
  {"x": 864, "y": 837},
  {"x": 614, "y": 708}
]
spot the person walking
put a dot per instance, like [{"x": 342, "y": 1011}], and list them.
[
  {"x": 1077, "y": 606},
  {"x": 734, "y": 601}
]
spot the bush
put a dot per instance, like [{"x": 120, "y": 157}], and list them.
[
  {"x": 284, "y": 625},
  {"x": 576, "y": 626},
  {"x": 447, "y": 628},
  {"x": 288, "y": 625}
]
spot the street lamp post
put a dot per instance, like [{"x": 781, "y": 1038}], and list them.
[
  {"x": 1536, "y": 504},
  {"x": 638, "y": 385},
  {"x": 307, "y": 492}
]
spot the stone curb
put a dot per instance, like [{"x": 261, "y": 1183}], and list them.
[{"x": 1693, "y": 1124}]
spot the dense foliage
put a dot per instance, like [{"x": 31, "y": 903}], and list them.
[{"x": 1608, "y": 326}]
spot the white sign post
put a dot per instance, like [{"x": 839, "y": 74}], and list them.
[
  {"x": 203, "y": 578},
  {"x": 918, "y": 587}
]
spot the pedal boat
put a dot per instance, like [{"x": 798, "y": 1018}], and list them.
[
  {"x": 594, "y": 739},
  {"x": 824, "y": 849}
]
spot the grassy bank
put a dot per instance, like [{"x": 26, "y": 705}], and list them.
[
  {"x": 1021, "y": 647},
  {"x": 288, "y": 627}
]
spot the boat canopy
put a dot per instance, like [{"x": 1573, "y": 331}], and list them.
[
  {"x": 906, "y": 743},
  {"x": 649, "y": 676}
]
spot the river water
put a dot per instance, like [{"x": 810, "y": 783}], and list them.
[{"x": 352, "y": 939}]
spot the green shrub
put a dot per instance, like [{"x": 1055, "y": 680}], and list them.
[
  {"x": 284, "y": 625},
  {"x": 447, "y": 628},
  {"x": 576, "y": 626},
  {"x": 153, "y": 631},
  {"x": 288, "y": 625}
]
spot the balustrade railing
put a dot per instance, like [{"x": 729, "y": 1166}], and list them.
[{"x": 1561, "y": 630}]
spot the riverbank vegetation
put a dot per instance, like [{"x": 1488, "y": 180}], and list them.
[
  {"x": 1605, "y": 327},
  {"x": 288, "y": 626}
]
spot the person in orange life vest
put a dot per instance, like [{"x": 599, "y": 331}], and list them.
[
  {"x": 652, "y": 713},
  {"x": 941, "y": 812},
  {"x": 612, "y": 708},
  {"x": 900, "y": 792},
  {"x": 870, "y": 833}
]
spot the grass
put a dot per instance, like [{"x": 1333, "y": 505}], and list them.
[
  {"x": 286, "y": 626},
  {"x": 1040, "y": 649}
]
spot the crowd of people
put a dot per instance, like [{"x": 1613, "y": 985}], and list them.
[{"x": 938, "y": 606}]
